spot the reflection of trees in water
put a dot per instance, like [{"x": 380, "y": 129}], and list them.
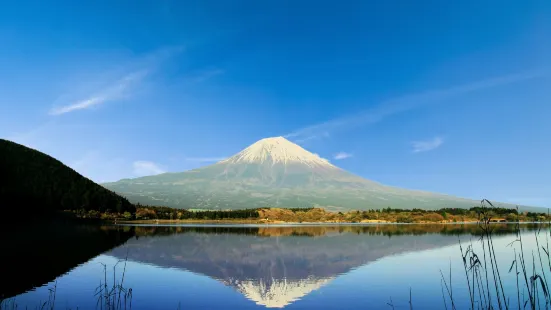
[
  {"x": 35, "y": 253},
  {"x": 319, "y": 230},
  {"x": 170, "y": 230}
]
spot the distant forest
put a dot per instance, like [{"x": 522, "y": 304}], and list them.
[
  {"x": 32, "y": 182},
  {"x": 152, "y": 212},
  {"x": 299, "y": 215}
]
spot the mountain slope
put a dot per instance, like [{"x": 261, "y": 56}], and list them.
[
  {"x": 37, "y": 183},
  {"x": 275, "y": 172}
]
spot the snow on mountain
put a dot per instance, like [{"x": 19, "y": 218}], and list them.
[{"x": 277, "y": 150}]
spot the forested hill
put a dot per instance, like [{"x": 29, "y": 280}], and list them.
[{"x": 32, "y": 182}]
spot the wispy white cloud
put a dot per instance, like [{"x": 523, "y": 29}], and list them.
[
  {"x": 342, "y": 155},
  {"x": 204, "y": 159},
  {"x": 143, "y": 168},
  {"x": 427, "y": 145},
  {"x": 119, "y": 87},
  {"x": 402, "y": 104}
]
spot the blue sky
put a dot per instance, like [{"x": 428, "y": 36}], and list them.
[{"x": 439, "y": 96}]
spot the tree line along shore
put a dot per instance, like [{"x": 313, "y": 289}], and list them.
[{"x": 157, "y": 214}]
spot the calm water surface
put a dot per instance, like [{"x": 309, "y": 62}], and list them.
[{"x": 248, "y": 267}]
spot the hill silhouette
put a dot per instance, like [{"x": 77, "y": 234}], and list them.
[{"x": 34, "y": 183}]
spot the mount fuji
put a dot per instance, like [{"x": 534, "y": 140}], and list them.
[{"x": 278, "y": 173}]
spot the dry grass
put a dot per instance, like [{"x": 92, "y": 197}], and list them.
[{"x": 484, "y": 277}]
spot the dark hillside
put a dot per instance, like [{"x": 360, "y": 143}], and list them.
[{"x": 34, "y": 183}]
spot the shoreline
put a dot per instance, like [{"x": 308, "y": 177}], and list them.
[{"x": 272, "y": 222}]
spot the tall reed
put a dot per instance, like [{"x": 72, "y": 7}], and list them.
[
  {"x": 484, "y": 278},
  {"x": 109, "y": 296}
]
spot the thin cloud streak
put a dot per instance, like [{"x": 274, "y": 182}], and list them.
[
  {"x": 78, "y": 105},
  {"x": 121, "y": 87},
  {"x": 342, "y": 155},
  {"x": 427, "y": 145},
  {"x": 402, "y": 104},
  {"x": 118, "y": 90}
]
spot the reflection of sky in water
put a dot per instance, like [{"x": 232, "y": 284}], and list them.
[{"x": 367, "y": 286}]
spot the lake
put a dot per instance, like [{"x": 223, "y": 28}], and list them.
[{"x": 254, "y": 267}]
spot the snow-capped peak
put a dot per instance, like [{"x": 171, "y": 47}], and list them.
[{"x": 277, "y": 150}]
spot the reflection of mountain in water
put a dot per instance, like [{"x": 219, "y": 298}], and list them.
[
  {"x": 275, "y": 266},
  {"x": 278, "y": 293},
  {"x": 35, "y": 253}
]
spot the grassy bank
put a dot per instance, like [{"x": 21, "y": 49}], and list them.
[
  {"x": 277, "y": 222},
  {"x": 151, "y": 215},
  {"x": 161, "y": 221}
]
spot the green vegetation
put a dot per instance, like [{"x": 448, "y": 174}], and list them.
[
  {"x": 300, "y": 209},
  {"x": 37, "y": 183},
  {"x": 166, "y": 213},
  {"x": 305, "y": 215}
]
